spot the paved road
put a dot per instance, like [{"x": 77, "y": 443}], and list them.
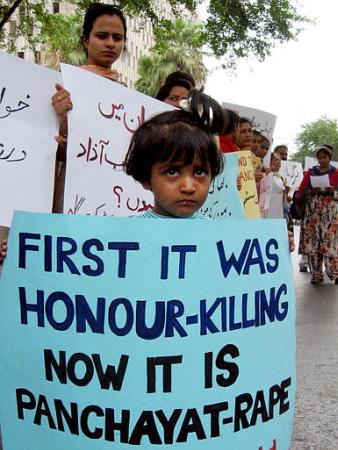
[{"x": 316, "y": 418}]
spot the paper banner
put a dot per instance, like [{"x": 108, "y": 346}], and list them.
[
  {"x": 248, "y": 185},
  {"x": 224, "y": 200},
  {"x": 104, "y": 116},
  {"x": 28, "y": 126}
]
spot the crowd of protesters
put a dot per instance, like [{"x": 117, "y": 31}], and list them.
[{"x": 104, "y": 36}]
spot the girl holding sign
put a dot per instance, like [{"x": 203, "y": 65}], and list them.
[{"x": 103, "y": 38}]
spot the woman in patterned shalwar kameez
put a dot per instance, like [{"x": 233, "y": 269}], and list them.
[{"x": 319, "y": 233}]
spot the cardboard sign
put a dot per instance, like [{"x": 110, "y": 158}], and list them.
[
  {"x": 125, "y": 333},
  {"x": 28, "y": 126},
  {"x": 292, "y": 172},
  {"x": 224, "y": 200},
  {"x": 248, "y": 185}
]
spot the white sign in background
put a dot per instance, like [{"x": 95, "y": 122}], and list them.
[
  {"x": 262, "y": 121},
  {"x": 104, "y": 116},
  {"x": 292, "y": 171},
  {"x": 28, "y": 126}
]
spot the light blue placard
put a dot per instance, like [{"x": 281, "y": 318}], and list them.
[
  {"x": 224, "y": 200},
  {"x": 195, "y": 319}
]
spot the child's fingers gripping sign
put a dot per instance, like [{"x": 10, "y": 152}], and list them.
[{"x": 3, "y": 250}]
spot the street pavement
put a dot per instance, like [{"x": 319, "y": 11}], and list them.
[{"x": 316, "y": 415}]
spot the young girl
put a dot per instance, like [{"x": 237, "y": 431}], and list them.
[{"x": 175, "y": 155}]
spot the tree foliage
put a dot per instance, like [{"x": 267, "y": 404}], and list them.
[
  {"x": 233, "y": 28},
  {"x": 239, "y": 28},
  {"x": 177, "y": 47},
  {"x": 313, "y": 134}
]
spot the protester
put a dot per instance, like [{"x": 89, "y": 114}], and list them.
[
  {"x": 255, "y": 146},
  {"x": 227, "y": 140},
  {"x": 282, "y": 151},
  {"x": 257, "y": 138},
  {"x": 245, "y": 136},
  {"x": 176, "y": 88},
  {"x": 229, "y": 137},
  {"x": 263, "y": 150},
  {"x": 180, "y": 75},
  {"x": 103, "y": 38},
  {"x": 259, "y": 150},
  {"x": 319, "y": 229},
  {"x": 175, "y": 155},
  {"x": 274, "y": 208}
]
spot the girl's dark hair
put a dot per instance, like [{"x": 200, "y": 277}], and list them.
[
  {"x": 164, "y": 91},
  {"x": 96, "y": 10},
  {"x": 233, "y": 121},
  {"x": 178, "y": 135},
  {"x": 244, "y": 120},
  {"x": 179, "y": 75}
]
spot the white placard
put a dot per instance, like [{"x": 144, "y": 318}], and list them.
[
  {"x": 28, "y": 126},
  {"x": 262, "y": 121},
  {"x": 320, "y": 182},
  {"x": 104, "y": 116},
  {"x": 292, "y": 172}
]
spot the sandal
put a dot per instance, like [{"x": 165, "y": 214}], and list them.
[{"x": 315, "y": 280}]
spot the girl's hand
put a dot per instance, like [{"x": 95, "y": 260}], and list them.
[
  {"x": 238, "y": 183},
  {"x": 3, "y": 250},
  {"x": 61, "y": 101}
]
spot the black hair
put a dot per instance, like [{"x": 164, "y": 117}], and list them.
[
  {"x": 244, "y": 120},
  {"x": 265, "y": 139},
  {"x": 178, "y": 135},
  {"x": 96, "y": 10},
  {"x": 233, "y": 121},
  {"x": 327, "y": 149},
  {"x": 164, "y": 91},
  {"x": 278, "y": 147},
  {"x": 181, "y": 76},
  {"x": 274, "y": 155},
  {"x": 256, "y": 132}
]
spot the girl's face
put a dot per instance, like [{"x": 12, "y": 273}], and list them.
[
  {"x": 263, "y": 149},
  {"x": 275, "y": 163},
  {"x": 323, "y": 160},
  {"x": 256, "y": 142},
  {"x": 179, "y": 190},
  {"x": 106, "y": 41}
]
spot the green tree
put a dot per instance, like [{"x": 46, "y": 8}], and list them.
[
  {"x": 233, "y": 28},
  {"x": 177, "y": 46},
  {"x": 313, "y": 134}
]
